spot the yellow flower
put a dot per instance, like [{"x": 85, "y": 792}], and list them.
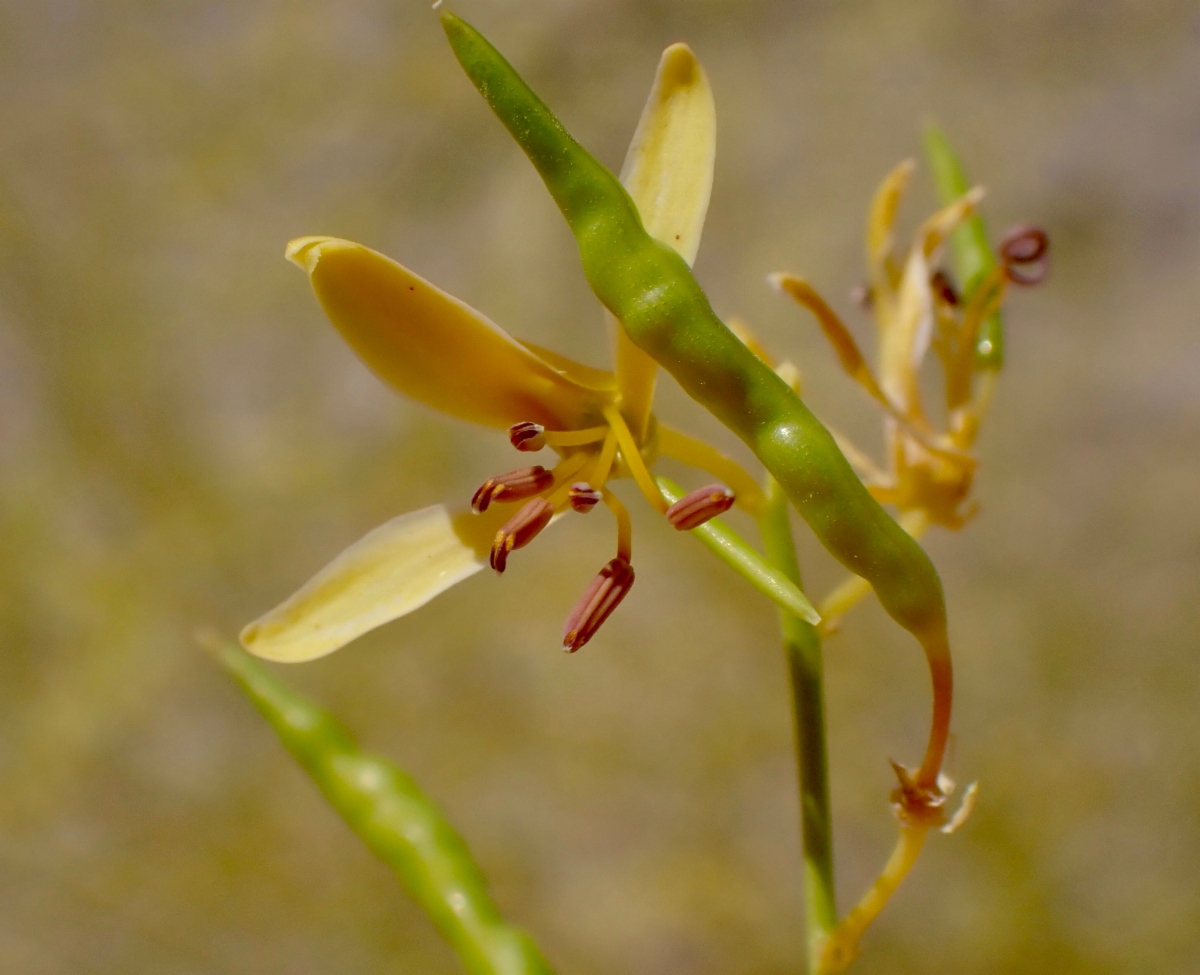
[
  {"x": 436, "y": 349},
  {"x": 929, "y": 472}
]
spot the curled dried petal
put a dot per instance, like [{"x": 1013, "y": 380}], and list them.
[{"x": 1025, "y": 253}]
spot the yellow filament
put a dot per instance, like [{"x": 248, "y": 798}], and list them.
[
  {"x": 697, "y": 453},
  {"x": 846, "y": 596},
  {"x": 624, "y": 525},
  {"x": 604, "y": 461},
  {"x": 562, "y": 477},
  {"x": 574, "y": 438},
  {"x": 841, "y": 946},
  {"x": 633, "y": 460}
]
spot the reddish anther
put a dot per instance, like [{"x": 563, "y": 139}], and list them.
[
  {"x": 527, "y": 436},
  {"x": 693, "y": 510},
  {"x": 1024, "y": 251},
  {"x": 943, "y": 288},
  {"x": 513, "y": 486},
  {"x": 521, "y": 529},
  {"x": 583, "y": 497},
  {"x": 602, "y": 596}
]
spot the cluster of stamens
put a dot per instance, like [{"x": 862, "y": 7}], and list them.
[{"x": 594, "y": 452}]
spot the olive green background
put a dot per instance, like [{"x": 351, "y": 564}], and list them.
[{"x": 184, "y": 439}]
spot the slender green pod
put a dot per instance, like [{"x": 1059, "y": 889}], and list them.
[
  {"x": 396, "y": 820},
  {"x": 973, "y": 256},
  {"x": 651, "y": 291}
]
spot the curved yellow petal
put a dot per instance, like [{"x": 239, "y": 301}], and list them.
[
  {"x": 391, "y": 571},
  {"x": 668, "y": 172},
  {"x": 669, "y": 167},
  {"x": 437, "y": 349}
]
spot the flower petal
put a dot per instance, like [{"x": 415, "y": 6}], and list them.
[
  {"x": 437, "y": 349},
  {"x": 391, "y": 571},
  {"x": 669, "y": 168},
  {"x": 880, "y": 221},
  {"x": 668, "y": 172}
]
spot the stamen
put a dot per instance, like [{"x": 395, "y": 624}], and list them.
[
  {"x": 1024, "y": 252},
  {"x": 527, "y": 436},
  {"x": 600, "y": 470},
  {"x": 697, "y": 453},
  {"x": 624, "y": 525},
  {"x": 530, "y": 436},
  {"x": 602, "y": 596},
  {"x": 583, "y": 497},
  {"x": 521, "y": 529},
  {"x": 516, "y": 485},
  {"x": 575, "y": 438},
  {"x": 633, "y": 460},
  {"x": 693, "y": 510}
]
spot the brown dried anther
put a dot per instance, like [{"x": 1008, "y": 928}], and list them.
[
  {"x": 527, "y": 436},
  {"x": 513, "y": 486},
  {"x": 1025, "y": 253},
  {"x": 863, "y": 297},
  {"x": 693, "y": 510},
  {"x": 583, "y": 497},
  {"x": 602, "y": 596},
  {"x": 944, "y": 289},
  {"x": 521, "y": 529}
]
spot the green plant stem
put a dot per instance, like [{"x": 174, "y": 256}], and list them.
[{"x": 802, "y": 644}]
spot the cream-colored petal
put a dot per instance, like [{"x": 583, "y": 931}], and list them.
[
  {"x": 668, "y": 171},
  {"x": 882, "y": 218},
  {"x": 904, "y": 343},
  {"x": 435, "y": 348},
  {"x": 669, "y": 167},
  {"x": 391, "y": 571},
  {"x": 936, "y": 229}
]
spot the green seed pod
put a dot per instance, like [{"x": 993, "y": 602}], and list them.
[
  {"x": 396, "y": 820},
  {"x": 651, "y": 291}
]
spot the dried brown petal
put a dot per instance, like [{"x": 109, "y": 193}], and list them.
[
  {"x": 513, "y": 486},
  {"x": 602, "y": 596},
  {"x": 521, "y": 529},
  {"x": 583, "y": 497},
  {"x": 527, "y": 436},
  {"x": 693, "y": 510}
]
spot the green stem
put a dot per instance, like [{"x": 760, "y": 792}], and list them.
[{"x": 802, "y": 643}]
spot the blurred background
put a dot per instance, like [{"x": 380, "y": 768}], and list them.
[{"x": 184, "y": 439}]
